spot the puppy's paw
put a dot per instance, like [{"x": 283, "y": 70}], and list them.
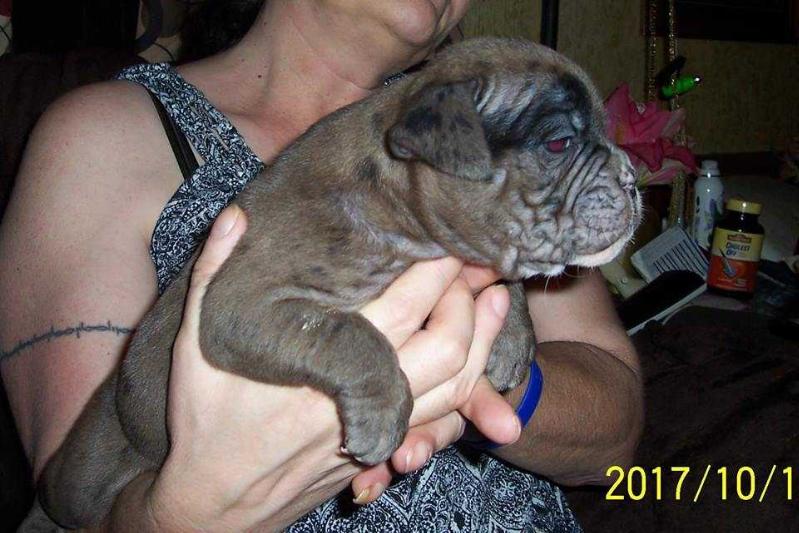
[
  {"x": 507, "y": 369},
  {"x": 374, "y": 426},
  {"x": 514, "y": 347}
]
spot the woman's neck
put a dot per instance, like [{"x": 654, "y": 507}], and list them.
[{"x": 290, "y": 70}]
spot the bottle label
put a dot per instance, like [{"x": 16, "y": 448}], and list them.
[
  {"x": 734, "y": 260},
  {"x": 706, "y": 212}
]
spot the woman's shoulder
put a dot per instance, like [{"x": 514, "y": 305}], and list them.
[
  {"x": 105, "y": 143},
  {"x": 96, "y": 108},
  {"x": 114, "y": 120}
]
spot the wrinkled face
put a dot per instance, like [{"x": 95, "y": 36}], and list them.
[
  {"x": 513, "y": 165},
  {"x": 570, "y": 193}
]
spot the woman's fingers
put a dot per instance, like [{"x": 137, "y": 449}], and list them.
[
  {"x": 419, "y": 445},
  {"x": 229, "y": 226},
  {"x": 438, "y": 352},
  {"x": 491, "y": 307},
  {"x": 478, "y": 278},
  {"x": 407, "y": 302},
  {"x": 423, "y": 441},
  {"x": 436, "y": 421},
  {"x": 491, "y": 414},
  {"x": 368, "y": 485},
  {"x": 457, "y": 339}
]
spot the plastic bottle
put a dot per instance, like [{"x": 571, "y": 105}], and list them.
[
  {"x": 708, "y": 202},
  {"x": 737, "y": 243}
]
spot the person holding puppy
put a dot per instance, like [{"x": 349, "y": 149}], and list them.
[{"x": 76, "y": 247}]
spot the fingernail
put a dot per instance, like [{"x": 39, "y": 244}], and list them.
[
  {"x": 369, "y": 494},
  {"x": 518, "y": 429},
  {"x": 408, "y": 458},
  {"x": 362, "y": 498},
  {"x": 224, "y": 226},
  {"x": 422, "y": 450},
  {"x": 375, "y": 491},
  {"x": 499, "y": 302}
]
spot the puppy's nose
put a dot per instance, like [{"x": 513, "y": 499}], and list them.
[{"x": 627, "y": 177}]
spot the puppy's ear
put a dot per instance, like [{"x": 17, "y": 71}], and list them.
[{"x": 441, "y": 127}]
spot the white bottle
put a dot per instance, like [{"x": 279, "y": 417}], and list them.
[{"x": 708, "y": 202}]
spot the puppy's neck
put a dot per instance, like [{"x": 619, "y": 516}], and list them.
[{"x": 389, "y": 224}]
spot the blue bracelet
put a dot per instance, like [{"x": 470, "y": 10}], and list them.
[{"x": 524, "y": 410}]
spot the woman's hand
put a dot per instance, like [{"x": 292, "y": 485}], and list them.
[
  {"x": 468, "y": 396},
  {"x": 246, "y": 453}
]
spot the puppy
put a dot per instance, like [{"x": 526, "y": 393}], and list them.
[{"x": 494, "y": 152}]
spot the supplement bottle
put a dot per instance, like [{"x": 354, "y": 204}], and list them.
[{"x": 735, "y": 253}]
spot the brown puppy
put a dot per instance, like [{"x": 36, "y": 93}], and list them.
[{"x": 494, "y": 153}]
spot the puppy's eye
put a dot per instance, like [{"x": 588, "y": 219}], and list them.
[{"x": 559, "y": 146}]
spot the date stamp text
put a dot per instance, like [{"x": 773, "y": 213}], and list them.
[{"x": 685, "y": 483}]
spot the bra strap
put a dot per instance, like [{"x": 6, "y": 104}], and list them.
[{"x": 180, "y": 145}]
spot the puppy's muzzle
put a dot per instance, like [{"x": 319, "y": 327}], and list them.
[{"x": 608, "y": 206}]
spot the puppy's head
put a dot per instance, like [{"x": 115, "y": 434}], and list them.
[{"x": 509, "y": 162}]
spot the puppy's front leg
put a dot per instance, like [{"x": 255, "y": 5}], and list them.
[
  {"x": 514, "y": 347},
  {"x": 299, "y": 342}
]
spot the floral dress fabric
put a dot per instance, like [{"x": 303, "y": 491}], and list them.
[
  {"x": 227, "y": 165},
  {"x": 458, "y": 490}
]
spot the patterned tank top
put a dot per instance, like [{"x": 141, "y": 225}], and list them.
[{"x": 458, "y": 490}]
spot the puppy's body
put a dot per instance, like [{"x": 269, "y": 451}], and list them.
[{"x": 446, "y": 162}]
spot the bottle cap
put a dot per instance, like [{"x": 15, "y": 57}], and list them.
[
  {"x": 709, "y": 168},
  {"x": 743, "y": 206}
]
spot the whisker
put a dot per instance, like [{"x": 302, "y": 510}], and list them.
[{"x": 578, "y": 275}]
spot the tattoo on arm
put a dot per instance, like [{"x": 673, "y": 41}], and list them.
[{"x": 74, "y": 331}]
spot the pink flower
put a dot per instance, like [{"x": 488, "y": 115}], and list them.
[{"x": 646, "y": 133}]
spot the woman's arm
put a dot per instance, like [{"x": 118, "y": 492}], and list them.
[
  {"x": 75, "y": 272},
  {"x": 590, "y": 415}
]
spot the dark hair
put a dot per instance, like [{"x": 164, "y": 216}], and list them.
[{"x": 215, "y": 25}]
